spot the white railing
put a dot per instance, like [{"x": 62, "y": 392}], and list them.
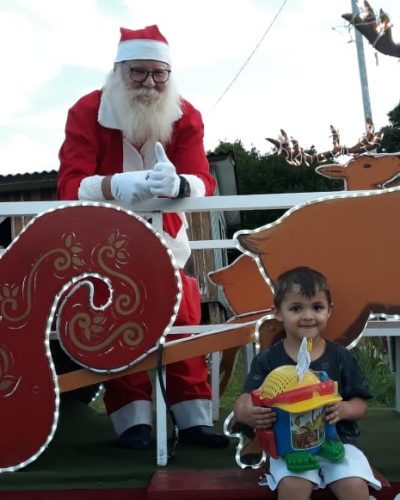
[{"x": 388, "y": 327}]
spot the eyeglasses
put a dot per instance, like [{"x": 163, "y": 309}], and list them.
[{"x": 140, "y": 75}]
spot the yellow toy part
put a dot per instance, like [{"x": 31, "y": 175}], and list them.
[{"x": 282, "y": 389}]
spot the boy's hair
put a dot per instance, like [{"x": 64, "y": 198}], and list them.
[{"x": 309, "y": 280}]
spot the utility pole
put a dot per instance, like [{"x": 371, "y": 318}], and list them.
[{"x": 362, "y": 68}]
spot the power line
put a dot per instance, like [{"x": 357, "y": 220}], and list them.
[{"x": 250, "y": 56}]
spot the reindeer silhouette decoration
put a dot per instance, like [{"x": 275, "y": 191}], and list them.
[
  {"x": 336, "y": 238},
  {"x": 376, "y": 29},
  {"x": 364, "y": 170}
]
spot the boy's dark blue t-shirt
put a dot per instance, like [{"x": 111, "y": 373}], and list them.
[{"x": 338, "y": 362}]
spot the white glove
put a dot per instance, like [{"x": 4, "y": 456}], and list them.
[
  {"x": 130, "y": 187},
  {"x": 163, "y": 179}
]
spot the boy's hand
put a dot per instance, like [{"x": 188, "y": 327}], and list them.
[
  {"x": 262, "y": 417},
  {"x": 352, "y": 409},
  {"x": 257, "y": 417},
  {"x": 335, "y": 412}
]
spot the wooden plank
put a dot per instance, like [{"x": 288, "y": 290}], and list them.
[{"x": 173, "y": 351}]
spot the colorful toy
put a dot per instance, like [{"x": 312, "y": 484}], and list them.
[{"x": 300, "y": 431}]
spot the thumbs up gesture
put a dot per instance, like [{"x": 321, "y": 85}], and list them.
[{"x": 163, "y": 179}]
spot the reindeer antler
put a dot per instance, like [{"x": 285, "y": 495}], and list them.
[{"x": 295, "y": 155}]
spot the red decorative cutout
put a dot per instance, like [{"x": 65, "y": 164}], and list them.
[{"x": 85, "y": 254}]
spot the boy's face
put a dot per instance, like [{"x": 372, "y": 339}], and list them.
[{"x": 302, "y": 316}]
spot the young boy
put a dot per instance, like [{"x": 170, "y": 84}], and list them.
[{"x": 303, "y": 304}]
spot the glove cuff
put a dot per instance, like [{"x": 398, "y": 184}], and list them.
[
  {"x": 90, "y": 188},
  {"x": 106, "y": 188},
  {"x": 197, "y": 187},
  {"x": 114, "y": 185}
]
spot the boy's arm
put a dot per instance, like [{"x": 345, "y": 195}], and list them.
[
  {"x": 257, "y": 417},
  {"x": 353, "y": 409}
]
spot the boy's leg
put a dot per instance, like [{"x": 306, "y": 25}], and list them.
[
  {"x": 354, "y": 466},
  {"x": 350, "y": 487},
  {"x": 281, "y": 478},
  {"x": 291, "y": 487}
]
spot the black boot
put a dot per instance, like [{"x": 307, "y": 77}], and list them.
[
  {"x": 137, "y": 437},
  {"x": 203, "y": 435}
]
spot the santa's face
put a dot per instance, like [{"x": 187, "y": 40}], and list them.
[
  {"x": 146, "y": 74},
  {"x": 145, "y": 100}
]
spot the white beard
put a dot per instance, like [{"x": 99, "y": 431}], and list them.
[{"x": 143, "y": 114}]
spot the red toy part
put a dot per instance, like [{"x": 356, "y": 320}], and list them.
[
  {"x": 267, "y": 442},
  {"x": 296, "y": 395}
]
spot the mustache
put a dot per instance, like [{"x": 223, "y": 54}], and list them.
[{"x": 135, "y": 94}]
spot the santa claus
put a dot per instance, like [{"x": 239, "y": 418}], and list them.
[{"x": 136, "y": 139}]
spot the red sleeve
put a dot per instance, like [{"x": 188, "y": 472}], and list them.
[
  {"x": 80, "y": 154},
  {"x": 186, "y": 150}
]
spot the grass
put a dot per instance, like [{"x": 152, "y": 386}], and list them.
[
  {"x": 235, "y": 385},
  {"x": 372, "y": 354}
]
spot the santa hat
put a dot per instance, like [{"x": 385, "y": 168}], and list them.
[{"x": 147, "y": 43}]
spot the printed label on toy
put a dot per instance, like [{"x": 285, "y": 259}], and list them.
[{"x": 307, "y": 430}]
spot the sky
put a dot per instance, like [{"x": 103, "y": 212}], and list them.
[{"x": 252, "y": 67}]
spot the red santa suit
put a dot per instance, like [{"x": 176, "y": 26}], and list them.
[{"x": 94, "y": 145}]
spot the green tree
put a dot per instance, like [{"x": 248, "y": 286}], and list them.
[
  {"x": 264, "y": 174},
  {"x": 391, "y": 138}
]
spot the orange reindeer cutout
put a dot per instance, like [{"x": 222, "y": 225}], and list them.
[
  {"x": 244, "y": 295},
  {"x": 348, "y": 238},
  {"x": 105, "y": 265},
  {"x": 366, "y": 171}
]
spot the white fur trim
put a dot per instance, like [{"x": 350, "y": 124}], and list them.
[
  {"x": 143, "y": 49},
  {"x": 192, "y": 412},
  {"x": 90, "y": 188},
  {"x": 197, "y": 187},
  {"x": 180, "y": 245},
  {"x": 106, "y": 116},
  {"x": 134, "y": 413},
  {"x": 187, "y": 413}
]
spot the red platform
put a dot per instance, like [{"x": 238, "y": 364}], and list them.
[
  {"x": 81, "y": 494},
  {"x": 228, "y": 484},
  {"x": 184, "y": 484}
]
